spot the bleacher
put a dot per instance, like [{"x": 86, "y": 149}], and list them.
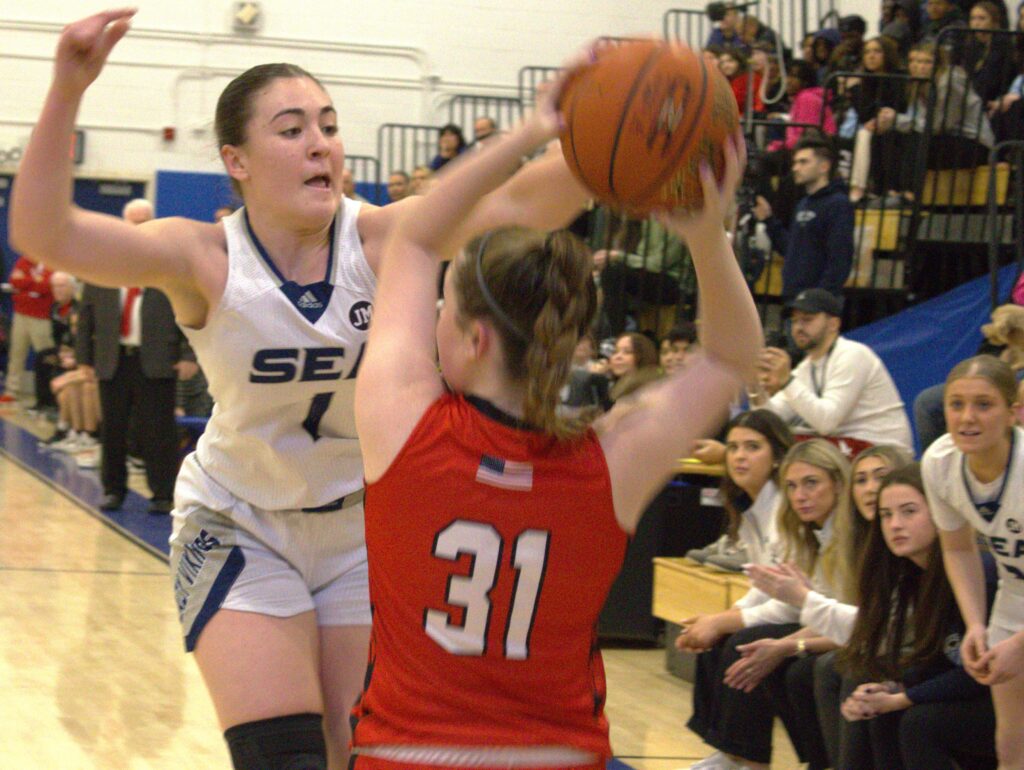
[{"x": 955, "y": 223}]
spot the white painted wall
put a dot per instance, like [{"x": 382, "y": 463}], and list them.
[{"x": 382, "y": 61}]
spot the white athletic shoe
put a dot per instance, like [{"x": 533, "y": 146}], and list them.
[
  {"x": 717, "y": 761},
  {"x": 67, "y": 444},
  {"x": 88, "y": 458}
]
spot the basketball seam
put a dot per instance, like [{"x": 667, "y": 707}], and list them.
[
  {"x": 657, "y": 53},
  {"x": 570, "y": 120},
  {"x": 673, "y": 167}
]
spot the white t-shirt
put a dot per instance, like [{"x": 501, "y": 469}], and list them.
[
  {"x": 944, "y": 472},
  {"x": 759, "y": 534},
  {"x": 847, "y": 392}
]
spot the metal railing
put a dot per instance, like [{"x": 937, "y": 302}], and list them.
[
  {"x": 464, "y": 109},
  {"x": 404, "y": 146}
]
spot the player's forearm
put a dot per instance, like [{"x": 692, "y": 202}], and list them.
[
  {"x": 966, "y": 576},
  {"x": 41, "y": 201},
  {"x": 545, "y": 193},
  {"x": 730, "y": 327},
  {"x": 435, "y": 224}
]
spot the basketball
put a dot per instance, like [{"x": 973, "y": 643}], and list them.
[{"x": 640, "y": 119}]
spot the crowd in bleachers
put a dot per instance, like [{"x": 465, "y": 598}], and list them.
[{"x": 851, "y": 632}]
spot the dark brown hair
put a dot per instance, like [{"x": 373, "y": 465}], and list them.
[
  {"x": 542, "y": 287},
  {"x": 235, "y": 104},
  {"x": 779, "y": 437},
  {"x": 900, "y": 604},
  {"x": 890, "y": 53},
  {"x": 644, "y": 352}
]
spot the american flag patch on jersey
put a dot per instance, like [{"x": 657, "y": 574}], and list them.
[{"x": 505, "y": 474}]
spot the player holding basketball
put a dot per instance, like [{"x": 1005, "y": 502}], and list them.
[
  {"x": 494, "y": 531},
  {"x": 974, "y": 477},
  {"x": 268, "y": 543}
]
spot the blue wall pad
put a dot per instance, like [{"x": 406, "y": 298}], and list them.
[
  {"x": 192, "y": 194},
  {"x": 83, "y": 486},
  {"x": 921, "y": 344}
]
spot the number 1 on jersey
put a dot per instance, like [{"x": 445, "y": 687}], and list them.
[{"x": 472, "y": 592}]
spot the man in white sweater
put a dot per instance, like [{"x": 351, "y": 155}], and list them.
[{"x": 841, "y": 390}]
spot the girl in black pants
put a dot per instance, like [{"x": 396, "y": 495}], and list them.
[{"x": 909, "y": 705}]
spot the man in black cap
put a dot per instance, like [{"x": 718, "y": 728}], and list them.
[{"x": 841, "y": 390}]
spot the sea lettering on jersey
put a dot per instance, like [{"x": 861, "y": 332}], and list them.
[
  {"x": 1008, "y": 548},
  {"x": 272, "y": 366}
]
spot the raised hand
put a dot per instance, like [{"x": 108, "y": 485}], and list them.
[
  {"x": 717, "y": 198},
  {"x": 84, "y": 47}
]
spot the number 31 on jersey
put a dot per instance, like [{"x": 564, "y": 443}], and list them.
[{"x": 484, "y": 544}]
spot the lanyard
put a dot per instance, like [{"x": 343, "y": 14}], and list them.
[
  {"x": 819, "y": 389},
  {"x": 988, "y": 510}
]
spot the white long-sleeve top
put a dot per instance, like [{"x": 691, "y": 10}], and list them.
[
  {"x": 759, "y": 534},
  {"x": 774, "y": 611},
  {"x": 829, "y": 617},
  {"x": 847, "y": 392}
]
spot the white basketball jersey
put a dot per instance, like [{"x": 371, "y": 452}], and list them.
[
  {"x": 281, "y": 361},
  {"x": 942, "y": 469}
]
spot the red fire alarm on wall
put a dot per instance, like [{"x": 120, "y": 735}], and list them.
[{"x": 169, "y": 133}]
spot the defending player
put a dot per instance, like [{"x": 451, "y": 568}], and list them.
[
  {"x": 494, "y": 531},
  {"x": 974, "y": 477},
  {"x": 268, "y": 551}
]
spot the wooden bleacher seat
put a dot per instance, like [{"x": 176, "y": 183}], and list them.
[
  {"x": 683, "y": 588},
  {"x": 964, "y": 186}
]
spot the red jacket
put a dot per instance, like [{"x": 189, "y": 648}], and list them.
[{"x": 32, "y": 296}]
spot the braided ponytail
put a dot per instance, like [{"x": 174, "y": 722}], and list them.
[{"x": 539, "y": 292}]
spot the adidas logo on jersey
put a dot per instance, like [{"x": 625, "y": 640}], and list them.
[{"x": 309, "y": 300}]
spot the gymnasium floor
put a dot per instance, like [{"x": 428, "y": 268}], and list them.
[{"x": 92, "y": 671}]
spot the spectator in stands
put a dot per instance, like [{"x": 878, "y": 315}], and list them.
[
  {"x": 645, "y": 266},
  {"x": 129, "y": 341},
  {"x": 809, "y": 105},
  {"x": 31, "y": 328},
  {"x": 420, "y": 180},
  {"x": 818, "y": 245},
  {"x": 765, "y": 668},
  {"x": 348, "y": 187},
  {"x": 76, "y": 391},
  {"x": 485, "y": 130},
  {"x": 941, "y": 15},
  {"x": 900, "y": 22},
  {"x": 398, "y": 186},
  {"x": 807, "y": 48},
  {"x": 734, "y": 65},
  {"x": 875, "y": 155},
  {"x": 588, "y": 382},
  {"x": 825, "y": 43},
  {"x": 989, "y": 59},
  {"x": 634, "y": 352},
  {"x": 677, "y": 346},
  {"x": 754, "y": 31},
  {"x": 450, "y": 143},
  {"x": 1006, "y": 111},
  {"x": 849, "y": 53},
  {"x": 726, "y": 31},
  {"x": 841, "y": 390},
  {"x": 961, "y": 133}
]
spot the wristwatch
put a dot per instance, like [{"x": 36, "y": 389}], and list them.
[{"x": 801, "y": 648}]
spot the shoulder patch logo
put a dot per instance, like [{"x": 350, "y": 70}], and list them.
[{"x": 359, "y": 315}]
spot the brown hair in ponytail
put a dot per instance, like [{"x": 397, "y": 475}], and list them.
[{"x": 538, "y": 291}]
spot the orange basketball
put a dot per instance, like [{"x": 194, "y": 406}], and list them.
[{"x": 640, "y": 119}]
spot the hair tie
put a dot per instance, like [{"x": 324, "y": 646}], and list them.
[{"x": 500, "y": 314}]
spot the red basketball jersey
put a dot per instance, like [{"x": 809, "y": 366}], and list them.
[{"x": 492, "y": 549}]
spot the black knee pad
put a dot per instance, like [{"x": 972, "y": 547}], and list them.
[{"x": 293, "y": 742}]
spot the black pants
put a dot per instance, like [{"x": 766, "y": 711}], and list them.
[
  {"x": 627, "y": 290},
  {"x": 740, "y": 723},
  {"x": 130, "y": 392},
  {"x": 47, "y": 366},
  {"x": 927, "y": 736}
]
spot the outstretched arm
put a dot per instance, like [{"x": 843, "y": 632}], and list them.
[
  {"x": 398, "y": 379},
  {"x": 643, "y": 445},
  {"x": 43, "y": 222}
]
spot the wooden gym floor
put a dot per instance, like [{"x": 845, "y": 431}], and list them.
[{"x": 92, "y": 671}]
